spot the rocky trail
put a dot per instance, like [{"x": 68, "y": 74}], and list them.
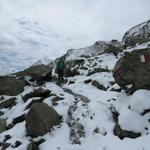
[{"x": 104, "y": 100}]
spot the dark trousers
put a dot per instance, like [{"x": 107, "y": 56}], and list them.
[{"x": 60, "y": 74}]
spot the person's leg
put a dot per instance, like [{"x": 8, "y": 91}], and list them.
[
  {"x": 59, "y": 74},
  {"x": 62, "y": 75}
]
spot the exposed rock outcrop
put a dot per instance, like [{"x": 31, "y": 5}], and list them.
[{"x": 40, "y": 119}]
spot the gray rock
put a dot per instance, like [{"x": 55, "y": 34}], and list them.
[
  {"x": 97, "y": 70},
  {"x": 32, "y": 146},
  {"x": 98, "y": 85},
  {"x": 118, "y": 131},
  {"x": 2, "y": 125},
  {"x": 11, "y": 86},
  {"x": 39, "y": 92},
  {"x": 56, "y": 99},
  {"x": 88, "y": 81},
  {"x": 16, "y": 120},
  {"x": 8, "y": 103},
  {"x": 40, "y": 119},
  {"x": 39, "y": 100},
  {"x": 130, "y": 70},
  {"x": 17, "y": 144},
  {"x": 5, "y": 145},
  {"x": 39, "y": 73},
  {"x": 123, "y": 133}
]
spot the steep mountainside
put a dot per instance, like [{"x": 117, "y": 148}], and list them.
[{"x": 87, "y": 109}]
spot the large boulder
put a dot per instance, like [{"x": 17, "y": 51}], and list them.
[
  {"x": 133, "y": 69},
  {"x": 39, "y": 73},
  {"x": 40, "y": 119},
  {"x": 11, "y": 86}
]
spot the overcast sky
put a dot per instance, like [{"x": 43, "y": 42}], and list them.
[
  {"x": 93, "y": 19},
  {"x": 70, "y": 23}
]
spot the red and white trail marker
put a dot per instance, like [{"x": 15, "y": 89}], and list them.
[{"x": 145, "y": 58}]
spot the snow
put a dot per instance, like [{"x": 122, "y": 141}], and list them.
[
  {"x": 138, "y": 102},
  {"x": 138, "y": 47},
  {"x": 93, "y": 114}
]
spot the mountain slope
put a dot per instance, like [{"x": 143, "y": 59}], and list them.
[{"x": 95, "y": 110}]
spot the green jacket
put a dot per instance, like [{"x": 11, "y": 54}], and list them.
[{"x": 60, "y": 64}]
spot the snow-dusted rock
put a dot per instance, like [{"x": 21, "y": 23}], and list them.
[
  {"x": 39, "y": 73},
  {"x": 138, "y": 34},
  {"x": 89, "y": 60},
  {"x": 40, "y": 119},
  {"x": 39, "y": 92},
  {"x": 8, "y": 103},
  {"x": 124, "y": 133}
]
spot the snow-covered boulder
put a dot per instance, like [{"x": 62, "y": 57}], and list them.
[
  {"x": 138, "y": 34},
  {"x": 133, "y": 69},
  {"x": 40, "y": 119},
  {"x": 11, "y": 86}
]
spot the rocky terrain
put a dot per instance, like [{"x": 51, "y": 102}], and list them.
[{"x": 103, "y": 101}]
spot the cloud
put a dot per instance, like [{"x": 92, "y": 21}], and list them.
[
  {"x": 67, "y": 24},
  {"x": 96, "y": 19}
]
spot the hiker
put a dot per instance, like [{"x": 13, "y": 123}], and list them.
[{"x": 60, "y": 69}]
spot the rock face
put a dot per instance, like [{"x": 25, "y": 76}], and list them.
[
  {"x": 38, "y": 73},
  {"x": 40, "y": 119},
  {"x": 131, "y": 70},
  {"x": 138, "y": 34},
  {"x": 11, "y": 86}
]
